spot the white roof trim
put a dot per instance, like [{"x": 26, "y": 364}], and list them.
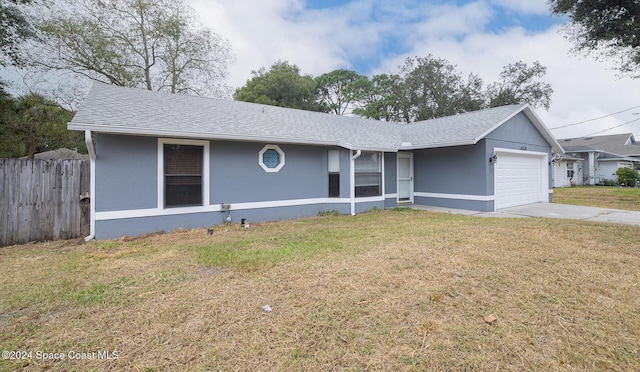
[
  {"x": 437, "y": 145},
  {"x": 618, "y": 159}
]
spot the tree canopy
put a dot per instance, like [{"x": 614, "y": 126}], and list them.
[
  {"x": 611, "y": 29},
  {"x": 15, "y": 28},
  {"x": 423, "y": 88},
  {"x": 33, "y": 123},
  {"x": 430, "y": 87},
  {"x": 387, "y": 100},
  {"x": 517, "y": 84},
  {"x": 281, "y": 85},
  {"x": 435, "y": 88},
  {"x": 340, "y": 90},
  {"x": 150, "y": 44}
]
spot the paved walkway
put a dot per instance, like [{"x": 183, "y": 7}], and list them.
[{"x": 552, "y": 210}]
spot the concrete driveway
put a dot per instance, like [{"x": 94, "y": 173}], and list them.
[{"x": 552, "y": 210}]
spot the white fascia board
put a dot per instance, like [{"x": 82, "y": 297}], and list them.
[
  {"x": 617, "y": 159},
  {"x": 565, "y": 157},
  {"x": 437, "y": 145},
  {"x": 612, "y": 154},
  {"x": 372, "y": 149}
]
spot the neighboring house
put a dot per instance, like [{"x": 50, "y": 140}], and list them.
[
  {"x": 567, "y": 171},
  {"x": 62, "y": 153},
  {"x": 165, "y": 161},
  {"x": 603, "y": 155}
]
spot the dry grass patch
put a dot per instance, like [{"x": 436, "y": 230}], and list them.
[
  {"x": 392, "y": 290},
  {"x": 627, "y": 198}
]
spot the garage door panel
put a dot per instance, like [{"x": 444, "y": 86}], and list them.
[{"x": 518, "y": 179}]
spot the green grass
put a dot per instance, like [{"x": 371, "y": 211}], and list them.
[
  {"x": 295, "y": 240},
  {"x": 389, "y": 290},
  {"x": 627, "y": 198}
]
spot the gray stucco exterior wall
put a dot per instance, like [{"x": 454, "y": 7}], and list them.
[
  {"x": 516, "y": 132},
  {"x": 457, "y": 170},
  {"x": 236, "y": 176},
  {"x": 126, "y": 172},
  {"x": 127, "y": 180},
  {"x": 451, "y": 170},
  {"x": 390, "y": 173},
  {"x": 131, "y": 163}
]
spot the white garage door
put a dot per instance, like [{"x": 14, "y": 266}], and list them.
[{"x": 520, "y": 178}]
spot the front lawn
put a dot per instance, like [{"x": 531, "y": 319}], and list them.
[
  {"x": 627, "y": 198},
  {"x": 385, "y": 290}
]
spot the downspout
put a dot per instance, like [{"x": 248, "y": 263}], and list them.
[
  {"x": 352, "y": 181},
  {"x": 92, "y": 186}
]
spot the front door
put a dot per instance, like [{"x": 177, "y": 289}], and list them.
[{"x": 405, "y": 177}]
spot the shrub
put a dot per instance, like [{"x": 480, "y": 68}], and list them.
[
  {"x": 404, "y": 209},
  {"x": 628, "y": 176},
  {"x": 332, "y": 212}
]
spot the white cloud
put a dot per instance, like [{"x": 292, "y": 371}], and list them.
[
  {"x": 451, "y": 20},
  {"x": 321, "y": 40},
  {"x": 318, "y": 41},
  {"x": 524, "y": 6}
]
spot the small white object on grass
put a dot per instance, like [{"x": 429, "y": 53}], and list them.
[
  {"x": 267, "y": 308},
  {"x": 490, "y": 319}
]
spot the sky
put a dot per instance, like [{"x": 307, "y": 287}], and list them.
[{"x": 481, "y": 37}]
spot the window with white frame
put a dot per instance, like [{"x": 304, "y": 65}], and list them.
[
  {"x": 368, "y": 174},
  {"x": 183, "y": 174},
  {"x": 570, "y": 170},
  {"x": 271, "y": 158}
]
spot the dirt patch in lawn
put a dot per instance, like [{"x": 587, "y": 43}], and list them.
[{"x": 392, "y": 290}]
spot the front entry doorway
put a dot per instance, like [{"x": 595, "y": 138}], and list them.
[{"x": 405, "y": 177}]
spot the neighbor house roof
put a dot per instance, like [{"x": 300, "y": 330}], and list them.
[
  {"x": 112, "y": 109},
  {"x": 62, "y": 153},
  {"x": 617, "y": 145},
  {"x": 568, "y": 157}
]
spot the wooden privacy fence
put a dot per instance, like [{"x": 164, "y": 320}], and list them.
[{"x": 40, "y": 200}]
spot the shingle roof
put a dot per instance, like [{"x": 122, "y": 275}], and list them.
[
  {"x": 112, "y": 109},
  {"x": 617, "y": 144},
  {"x": 466, "y": 128},
  {"x": 62, "y": 153}
]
